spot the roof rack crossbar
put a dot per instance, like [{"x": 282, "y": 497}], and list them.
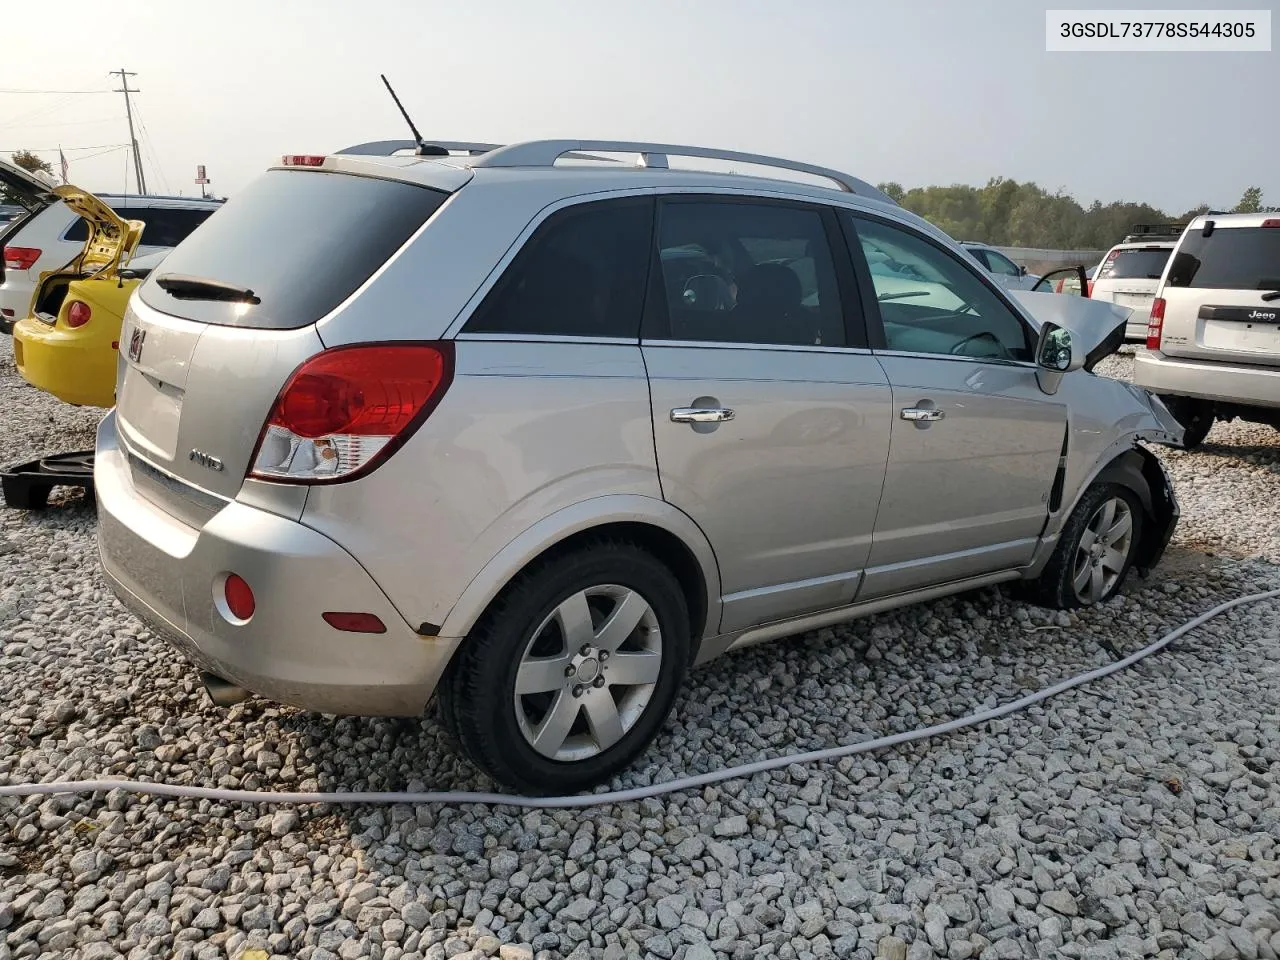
[
  {"x": 545, "y": 153},
  {"x": 385, "y": 148}
]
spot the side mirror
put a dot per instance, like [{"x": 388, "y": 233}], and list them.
[
  {"x": 1022, "y": 269},
  {"x": 1057, "y": 354}
]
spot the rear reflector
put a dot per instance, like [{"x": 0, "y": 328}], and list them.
[
  {"x": 78, "y": 314},
  {"x": 302, "y": 160},
  {"x": 239, "y": 597},
  {"x": 21, "y": 258},
  {"x": 1155, "y": 324},
  {"x": 355, "y": 622},
  {"x": 347, "y": 409}
]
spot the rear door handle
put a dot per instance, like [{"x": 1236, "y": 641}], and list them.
[
  {"x": 922, "y": 414},
  {"x": 701, "y": 414}
]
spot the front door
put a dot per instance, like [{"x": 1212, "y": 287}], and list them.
[
  {"x": 771, "y": 418},
  {"x": 975, "y": 443}
]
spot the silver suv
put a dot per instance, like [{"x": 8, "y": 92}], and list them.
[
  {"x": 1213, "y": 338},
  {"x": 537, "y": 435}
]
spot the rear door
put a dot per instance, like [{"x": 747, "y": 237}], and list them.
[
  {"x": 770, "y": 416},
  {"x": 975, "y": 443},
  {"x": 1220, "y": 292},
  {"x": 1129, "y": 276},
  {"x": 27, "y": 195}
]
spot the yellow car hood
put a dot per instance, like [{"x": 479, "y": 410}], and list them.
[{"x": 111, "y": 241}]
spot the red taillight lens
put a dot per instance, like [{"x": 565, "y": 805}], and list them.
[
  {"x": 21, "y": 258},
  {"x": 239, "y": 597},
  {"x": 302, "y": 160},
  {"x": 1271, "y": 222},
  {"x": 355, "y": 622},
  {"x": 1088, "y": 288},
  {"x": 1155, "y": 324},
  {"x": 78, "y": 314},
  {"x": 346, "y": 409}
]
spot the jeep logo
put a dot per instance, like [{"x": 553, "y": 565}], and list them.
[
  {"x": 205, "y": 460},
  {"x": 1261, "y": 315}
]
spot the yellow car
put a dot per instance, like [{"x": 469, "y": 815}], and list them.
[{"x": 69, "y": 342}]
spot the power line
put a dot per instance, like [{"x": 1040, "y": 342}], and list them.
[
  {"x": 19, "y": 90},
  {"x": 128, "y": 109},
  {"x": 96, "y": 146},
  {"x": 150, "y": 146}
]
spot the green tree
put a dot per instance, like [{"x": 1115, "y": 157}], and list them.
[
  {"x": 893, "y": 190},
  {"x": 30, "y": 161},
  {"x": 1250, "y": 201}
]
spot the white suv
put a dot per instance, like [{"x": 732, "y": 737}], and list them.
[
  {"x": 1213, "y": 339},
  {"x": 53, "y": 237},
  {"x": 1130, "y": 272}
]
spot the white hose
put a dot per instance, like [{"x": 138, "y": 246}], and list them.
[{"x": 636, "y": 793}]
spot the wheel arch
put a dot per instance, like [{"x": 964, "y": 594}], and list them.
[
  {"x": 1139, "y": 470},
  {"x": 656, "y": 525}
]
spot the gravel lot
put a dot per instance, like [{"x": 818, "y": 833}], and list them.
[{"x": 1138, "y": 817}]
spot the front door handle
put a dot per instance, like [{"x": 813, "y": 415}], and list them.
[
  {"x": 701, "y": 414},
  {"x": 922, "y": 414}
]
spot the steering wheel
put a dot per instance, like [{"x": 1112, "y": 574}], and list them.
[{"x": 957, "y": 350}]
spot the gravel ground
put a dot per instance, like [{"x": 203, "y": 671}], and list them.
[{"x": 1139, "y": 817}]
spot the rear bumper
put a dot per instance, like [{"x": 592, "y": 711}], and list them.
[
  {"x": 166, "y": 572},
  {"x": 1207, "y": 380},
  {"x": 74, "y": 366}
]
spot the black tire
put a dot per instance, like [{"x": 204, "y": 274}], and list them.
[
  {"x": 477, "y": 696},
  {"x": 1054, "y": 588},
  {"x": 1196, "y": 417}
]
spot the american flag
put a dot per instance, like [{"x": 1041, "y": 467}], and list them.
[{"x": 65, "y": 167}]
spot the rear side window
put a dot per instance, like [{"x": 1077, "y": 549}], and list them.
[
  {"x": 581, "y": 274},
  {"x": 1230, "y": 258},
  {"x": 165, "y": 226},
  {"x": 750, "y": 273},
  {"x": 1146, "y": 263},
  {"x": 1002, "y": 264},
  {"x": 302, "y": 241}
]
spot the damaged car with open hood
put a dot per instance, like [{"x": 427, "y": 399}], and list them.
[{"x": 540, "y": 437}]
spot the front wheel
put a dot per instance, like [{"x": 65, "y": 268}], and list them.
[
  {"x": 1095, "y": 550},
  {"x": 571, "y": 673},
  {"x": 1195, "y": 416}
]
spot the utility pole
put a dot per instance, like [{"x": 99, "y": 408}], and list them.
[{"x": 128, "y": 109}]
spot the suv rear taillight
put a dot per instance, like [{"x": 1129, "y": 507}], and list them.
[
  {"x": 346, "y": 410},
  {"x": 1271, "y": 222},
  {"x": 1155, "y": 324},
  {"x": 1088, "y": 288},
  {"x": 21, "y": 258}
]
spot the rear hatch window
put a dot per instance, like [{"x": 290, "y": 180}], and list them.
[
  {"x": 301, "y": 241},
  {"x": 1140, "y": 263},
  {"x": 1230, "y": 258},
  {"x": 165, "y": 226}
]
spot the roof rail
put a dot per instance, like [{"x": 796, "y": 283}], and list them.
[
  {"x": 544, "y": 153},
  {"x": 385, "y": 148}
]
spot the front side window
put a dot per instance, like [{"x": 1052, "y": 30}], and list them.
[
  {"x": 581, "y": 274},
  {"x": 930, "y": 302},
  {"x": 751, "y": 273},
  {"x": 1002, "y": 264}
]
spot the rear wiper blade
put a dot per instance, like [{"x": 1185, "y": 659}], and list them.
[
  {"x": 1271, "y": 295},
  {"x": 201, "y": 288}
]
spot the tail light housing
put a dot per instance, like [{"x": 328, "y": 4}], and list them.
[
  {"x": 346, "y": 410},
  {"x": 78, "y": 313},
  {"x": 21, "y": 258},
  {"x": 1155, "y": 324},
  {"x": 1088, "y": 288}
]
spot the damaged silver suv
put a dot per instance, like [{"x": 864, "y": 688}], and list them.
[{"x": 535, "y": 429}]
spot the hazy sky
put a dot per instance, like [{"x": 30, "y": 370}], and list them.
[{"x": 907, "y": 90}]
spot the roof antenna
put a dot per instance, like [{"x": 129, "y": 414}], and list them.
[{"x": 424, "y": 149}]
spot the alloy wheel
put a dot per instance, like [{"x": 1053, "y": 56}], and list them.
[{"x": 1103, "y": 551}]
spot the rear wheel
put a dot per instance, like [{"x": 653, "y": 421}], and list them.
[
  {"x": 1195, "y": 416},
  {"x": 1095, "y": 550},
  {"x": 570, "y": 674}
]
